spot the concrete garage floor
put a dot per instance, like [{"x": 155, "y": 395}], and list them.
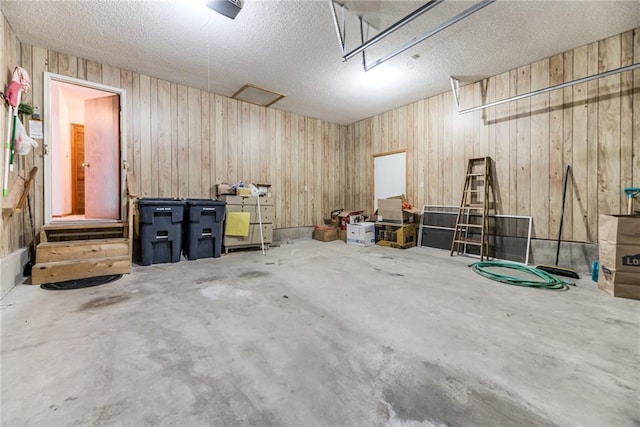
[{"x": 319, "y": 334}]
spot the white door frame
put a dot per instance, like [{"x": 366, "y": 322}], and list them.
[{"x": 50, "y": 77}]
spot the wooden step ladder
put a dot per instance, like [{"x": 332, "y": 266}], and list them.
[{"x": 474, "y": 205}]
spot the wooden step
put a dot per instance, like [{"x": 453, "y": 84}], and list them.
[
  {"x": 81, "y": 250},
  {"x": 83, "y": 231},
  {"x": 85, "y": 224},
  {"x": 52, "y": 272},
  {"x": 470, "y": 225}
]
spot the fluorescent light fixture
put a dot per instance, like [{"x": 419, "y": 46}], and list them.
[
  {"x": 380, "y": 77},
  {"x": 257, "y": 95},
  {"x": 228, "y": 8}
]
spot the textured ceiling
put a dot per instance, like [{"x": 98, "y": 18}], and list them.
[{"x": 291, "y": 47}]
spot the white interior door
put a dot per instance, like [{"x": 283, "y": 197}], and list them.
[{"x": 102, "y": 158}]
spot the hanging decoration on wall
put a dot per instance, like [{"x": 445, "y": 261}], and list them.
[
  {"x": 20, "y": 82},
  {"x": 23, "y": 142}
]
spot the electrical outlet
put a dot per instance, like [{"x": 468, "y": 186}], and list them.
[
  {"x": 421, "y": 184},
  {"x": 305, "y": 188}
]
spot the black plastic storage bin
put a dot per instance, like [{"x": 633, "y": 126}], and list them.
[
  {"x": 160, "y": 223},
  {"x": 203, "y": 231}
]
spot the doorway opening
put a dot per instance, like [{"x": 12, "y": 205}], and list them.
[
  {"x": 85, "y": 157},
  {"x": 389, "y": 175}
]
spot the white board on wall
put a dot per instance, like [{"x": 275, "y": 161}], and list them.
[{"x": 389, "y": 175}]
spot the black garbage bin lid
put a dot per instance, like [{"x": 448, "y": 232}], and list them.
[
  {"x": 150, "y": 201},
  {"x": 204, "y": 202}
]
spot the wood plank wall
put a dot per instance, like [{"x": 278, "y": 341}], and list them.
[
  {"x": 594, "y": 127},
  {"x": 181, "y": 141},
  {"x": 14, "y": 231}
]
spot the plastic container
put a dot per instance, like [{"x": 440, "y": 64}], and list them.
[
  {"x": 160, "y": 223},
  {"x": 203, "y": 230},
  {"x": 595, "y": 268}
]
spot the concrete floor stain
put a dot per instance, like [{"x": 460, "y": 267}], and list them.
[
  {"x": 208, "y": 279},
  {"x": 434, "y": 395},
  {"x": 102, "y": 302},
  {"x": 253, "y": 274}
]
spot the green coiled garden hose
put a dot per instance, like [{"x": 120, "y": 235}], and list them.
[{"x": 548, "y": 281}]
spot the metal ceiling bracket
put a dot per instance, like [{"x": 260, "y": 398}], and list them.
[
  {"x": 341, "y": 32},
  {"x": 364, "y": 54},
  {"x": 435, "y": 30},
  {"x": 334, "y": 14},
  {"x": 455, "y": 87},
  {"x": 399, "y": 24}
]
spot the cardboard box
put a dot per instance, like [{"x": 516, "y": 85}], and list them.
[
  {"x": 388, "y": 244},
  {"x": 619, "y": 284},
  {"x": 396, "y": 236},
  {"x": 390, "y": 211},
  {"x": 224, "y": 189},
  {"x": 361, "y": 234},
  {"x": 345, "y": 218},
  {"x": 355, "y": 219},
  {"x": 325, "y": 233},
  {"x": 342, "y": 235},
  {"x": 333, "y": 218},
  {"x": 620, "y": 257},
  {"x": 619, "y": 229},
  {"x": 243, "y": 192}
]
